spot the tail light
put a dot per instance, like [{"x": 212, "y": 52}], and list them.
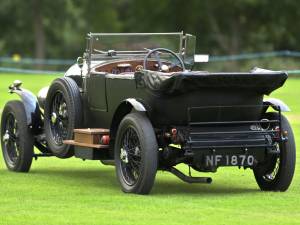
[{"x": 105, "y": 140}]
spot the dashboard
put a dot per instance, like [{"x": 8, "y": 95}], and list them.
[{"x": 130, "y": 66}]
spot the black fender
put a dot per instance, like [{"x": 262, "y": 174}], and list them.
[
  {"x": 137, "y": 105},
  {"x": 29, "y": 100},
  {"x": 277, "y": 103},
  {"x": 122, "y": 110}
]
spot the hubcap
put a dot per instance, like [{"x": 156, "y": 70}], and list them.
[
  {"x": 63, "y": 110},
  {"x": 137, "y": 150},
  {"x": 53, "y": 117},
  {"x": 6, "y": 137},
  {"x": 130, "y": 156},
  {"x": 124, "y": 156}
]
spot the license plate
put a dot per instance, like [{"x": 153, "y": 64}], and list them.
[{"x": 229, "y": 160}]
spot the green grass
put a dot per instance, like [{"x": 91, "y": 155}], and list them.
[{"x": 73, "y": 191}]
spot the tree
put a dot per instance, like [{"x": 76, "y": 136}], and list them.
[{"x": 56, "y": 29}]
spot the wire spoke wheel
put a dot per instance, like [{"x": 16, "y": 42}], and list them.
[
  {"x": 276, "y": 172},
  {"x": 59, "y": 118},
  {"x": 271, "y": 175},
  {"x": 16, "y": 137},
  {"x": 63, "y": 114},
  {"x": 11, "y": 140},
  {"x": 130, "y": 156},
  {"x": 136, "y": 154}
]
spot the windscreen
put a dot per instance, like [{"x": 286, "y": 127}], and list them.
[
  {"x": 190, "y": 46},
  {"x": 133, "y": 43}
]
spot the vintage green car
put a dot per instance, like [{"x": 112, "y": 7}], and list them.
[{"x": 134, "y": 101}]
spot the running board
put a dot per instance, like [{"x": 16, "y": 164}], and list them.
[
  {"x": 91, "y": 138},
  {"x": 189, "y": 179},
  {"x": 72, "y": 142}
]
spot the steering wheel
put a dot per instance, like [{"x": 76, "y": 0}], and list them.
[{"x": 161, "y": 66}]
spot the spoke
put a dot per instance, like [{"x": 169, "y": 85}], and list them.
[
  {"x": 56, "y": 102},
  {"x": 12, "y": 137},
  {"x": 14, "y": 151},
  {"x": 54, "y": 105},
  {"x": 158, "y": 60},
  {"x": 173, "y": 65},
  {"x": 60, "y": 127},
  {"x": 271, "y": 174},
  {"x": 59, "y": 97},
  {"x": 125, "y": 170},
  {"x": 131, "y": 167},
  {"x": 12, "y": 145},
  {"x": 135, "y": 167},
  {"x": 11, "y": 123},
  {"x": 135, "y": 162},
  {"x": 131, "y": 150}
]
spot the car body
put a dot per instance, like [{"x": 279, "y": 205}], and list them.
[{"x": 134, "y": 101}]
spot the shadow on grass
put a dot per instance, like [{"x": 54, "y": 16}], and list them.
[
  {"x": 88, "y": 177},
  {"x": 105, "y": 177},
  {"x": 175, "y": 187}
]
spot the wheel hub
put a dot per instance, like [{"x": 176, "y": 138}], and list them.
[
  {"x": 63, "y": 110},
  {"x": 269, "y": 177},
  {"x": 53, "y": 117},
  {"x": 6, "y": 137},
  {"x": 136, "y": 150},
  {"x": 124, "y": 156}
]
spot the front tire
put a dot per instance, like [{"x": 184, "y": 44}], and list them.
[
  {"x": 277, "y": 172},
  {"x": 16, "y": 137},
  {"x": 136, "y": 153}
]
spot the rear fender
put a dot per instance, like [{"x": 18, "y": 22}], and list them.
[
  {"x": 138, "y": 106},
  {"x": 123, "y": 109},
  {"x": 277, "y": 103}
]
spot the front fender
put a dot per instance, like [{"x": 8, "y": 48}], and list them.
[
  {"x": 275, "y": 103},
  {"x": 31, "y": 105}
]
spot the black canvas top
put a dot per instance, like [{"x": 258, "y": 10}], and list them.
[{"x": 181, "y": 82}]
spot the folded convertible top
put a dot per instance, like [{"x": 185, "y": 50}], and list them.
[{"x": 262, "y": 82}]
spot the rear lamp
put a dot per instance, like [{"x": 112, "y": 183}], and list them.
[{"x": 105, "y": 140}]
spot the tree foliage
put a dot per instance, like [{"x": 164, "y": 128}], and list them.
[{"x": 57, "y": 29}]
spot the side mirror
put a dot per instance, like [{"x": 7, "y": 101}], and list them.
[
  {"x": 80, "y": 62},
  {"x": 201, "y": 58}
]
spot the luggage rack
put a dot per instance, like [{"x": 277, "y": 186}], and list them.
[{"x": 237, "y": 135}]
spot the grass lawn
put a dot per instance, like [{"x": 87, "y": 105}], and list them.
[{"x": 73, "y": 191}]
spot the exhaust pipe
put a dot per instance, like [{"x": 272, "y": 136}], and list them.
[{"x": 189, "y": 179}]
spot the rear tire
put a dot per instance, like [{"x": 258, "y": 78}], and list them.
[
  {"x": 277, "y": 172},
  {"x": 16, "y": 137},
  {"x": 136, "y": 154},
  {"x": 63, "y": 113}
]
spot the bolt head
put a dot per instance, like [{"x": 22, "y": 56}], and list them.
[
  {"x": 53, "y": 117},
  {"x": 6, "y": 137}
]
